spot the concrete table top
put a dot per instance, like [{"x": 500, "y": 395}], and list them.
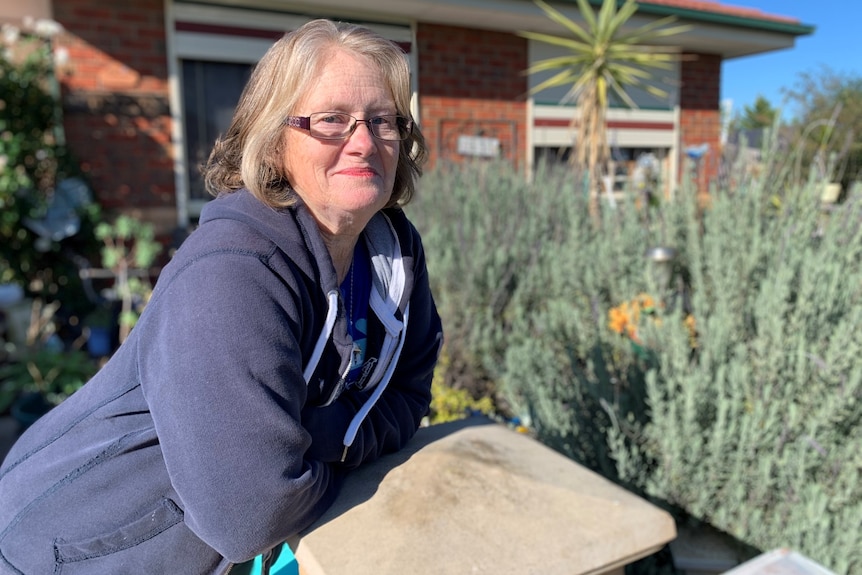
[{"x": 477, "y": 497}]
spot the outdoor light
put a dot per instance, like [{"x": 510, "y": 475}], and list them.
[{"x": 662, "y": 268}]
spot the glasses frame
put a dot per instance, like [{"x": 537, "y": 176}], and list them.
[{"x": 304, "y": 123}]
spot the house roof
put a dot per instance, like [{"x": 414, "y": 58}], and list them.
[
  {"x": 718, "y": 8},
  {"x": 725, "y": 29},
  {"x": 724, "y": 13},
  {"x": 717, "y": 28}
]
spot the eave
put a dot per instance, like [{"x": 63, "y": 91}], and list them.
[{"x": 728, "y": 31}]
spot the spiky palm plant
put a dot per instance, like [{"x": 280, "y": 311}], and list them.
[{"x": 603, "y": 58}]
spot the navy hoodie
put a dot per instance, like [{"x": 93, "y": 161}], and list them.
[{"x": 222, "y": 426}]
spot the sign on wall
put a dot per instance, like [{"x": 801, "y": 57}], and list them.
[{"x": 478, "y": 146}]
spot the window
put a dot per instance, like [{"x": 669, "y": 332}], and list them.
[
  {"x": 210, "y": 91},
  {"x": 636, "y": 168}
]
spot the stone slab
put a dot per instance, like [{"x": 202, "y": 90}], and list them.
[
  {"x": 475, "y": 497},
  {"x": 780, "y": 561}
]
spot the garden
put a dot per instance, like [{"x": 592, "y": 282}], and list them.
[
  {"x": 703, "y": 355},
  {"x": 73, "y": 279}
]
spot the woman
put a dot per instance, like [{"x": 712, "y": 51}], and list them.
[{"x": 291, "y": 338}]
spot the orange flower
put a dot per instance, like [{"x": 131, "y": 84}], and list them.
[
  {"x": 618, "y": 319},
  {"x": 645, "y": 302},
  {"x": 691, "y": 326},
  {"x": 623, "y": 319}
]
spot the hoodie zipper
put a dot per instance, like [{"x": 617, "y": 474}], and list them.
[{"x": 339, "y": 387}]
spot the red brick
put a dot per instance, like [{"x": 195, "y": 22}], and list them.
[{"x": 117, "y": 56}]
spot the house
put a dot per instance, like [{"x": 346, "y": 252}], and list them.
[{"x": 148, "y": 84}]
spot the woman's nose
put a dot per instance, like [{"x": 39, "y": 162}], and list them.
[{"x": 361, "y": 139}]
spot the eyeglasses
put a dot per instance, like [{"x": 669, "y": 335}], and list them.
[{"x": 337, "y": 126}]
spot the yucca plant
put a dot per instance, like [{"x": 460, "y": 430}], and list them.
[{"x": 604, "y": 58}]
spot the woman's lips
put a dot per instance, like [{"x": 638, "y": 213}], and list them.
[{"x": 359, "y": 172}]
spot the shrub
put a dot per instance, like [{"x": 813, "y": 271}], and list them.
[
  {"x": 53, "y": 374},
  {"x": 758, "y": 432},
  {"x": 34, "y": 163},
  {"x": 738, "y": 404},
  {"x": 450, "y": 404},
  {"x": 128, "y": 252},
  {"x": 524, "y": 282}
]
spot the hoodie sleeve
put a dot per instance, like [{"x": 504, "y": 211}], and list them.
[
  {"x": 221, "y": 370},
  {"x": 398, "y": 413}
]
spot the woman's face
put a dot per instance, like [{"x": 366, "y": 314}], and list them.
[{"x": 343, "y": 182}]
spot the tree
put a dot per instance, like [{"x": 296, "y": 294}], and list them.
[
  {"x": 828, "y": 124},
  {"x": 757, "y": 116},
  {"x": 604, "y": 58}
]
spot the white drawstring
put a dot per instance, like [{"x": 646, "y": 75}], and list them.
[
  {"x": 360, "y": 416},
  {"x": 328, "y": 325}
]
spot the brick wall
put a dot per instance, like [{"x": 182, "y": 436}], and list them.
[
  {"x": 115, "y": 99},
  {"x": 471, "y": 83},
  {"x": 700, "y": 119}
]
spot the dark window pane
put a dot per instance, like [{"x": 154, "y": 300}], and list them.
[{"x": 211, "y": 91}]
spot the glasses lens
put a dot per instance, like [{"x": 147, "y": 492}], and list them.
[
  {"x": 391, "y": 127},
  {"x": 330, "y": 125}
]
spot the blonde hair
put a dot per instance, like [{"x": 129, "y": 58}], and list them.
[{"x": 249, "y": 155}]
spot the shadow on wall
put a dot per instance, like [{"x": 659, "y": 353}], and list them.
[{"x": 112, "y": 69}]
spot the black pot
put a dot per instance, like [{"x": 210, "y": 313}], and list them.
[{"x": 28, "y": 408}]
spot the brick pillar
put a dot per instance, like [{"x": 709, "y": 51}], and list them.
[
  {"x": 472, "y": 84},
  {"x": 115, "y": 100},
  {"x": 700, "y": 118}
]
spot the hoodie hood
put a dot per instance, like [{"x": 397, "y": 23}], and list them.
[{"x": 301, "y": 240}]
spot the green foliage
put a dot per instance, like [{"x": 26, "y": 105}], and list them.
[
  {"x": 54, "y": 374},
  {"x": 450, "y": 404},
  {"x": 758, "y": 432},
  {"x": 129, "y": 250},
  {"x": 27, "y": 120},
  {"x": 761, "y": 114},
  {"x": 604, "y": 58},
  {"x": 43, "y": 365},
  {"x": 524, "y": 285},
  {"x": 829, "y": 123},
  {"x": 746, "y": 417},
  {"x": 33, "y": 161}
]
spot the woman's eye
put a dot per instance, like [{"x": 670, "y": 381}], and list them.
[{"x": 334, "y": 119}]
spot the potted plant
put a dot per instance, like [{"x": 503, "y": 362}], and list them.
[
  {"x": 129, "y": 251},
  {"x": 39, "y": 379},
  {"x": 100, "y": 327},
  {"x": 43, "y": 371}
]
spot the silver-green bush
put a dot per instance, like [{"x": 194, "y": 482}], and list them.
[{"x": 737, "y": 401}]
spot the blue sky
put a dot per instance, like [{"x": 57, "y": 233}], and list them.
[{"x": 835, "y": 42}]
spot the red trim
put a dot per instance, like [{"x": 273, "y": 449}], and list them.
[
  {"x": 619, "y": 124},
  {"x": 228, "y": 30}
]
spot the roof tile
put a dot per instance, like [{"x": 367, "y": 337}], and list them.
[{"x": 718, "y": 8}]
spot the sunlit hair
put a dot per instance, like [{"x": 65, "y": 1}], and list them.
[{"x": 250, "y": 154}]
